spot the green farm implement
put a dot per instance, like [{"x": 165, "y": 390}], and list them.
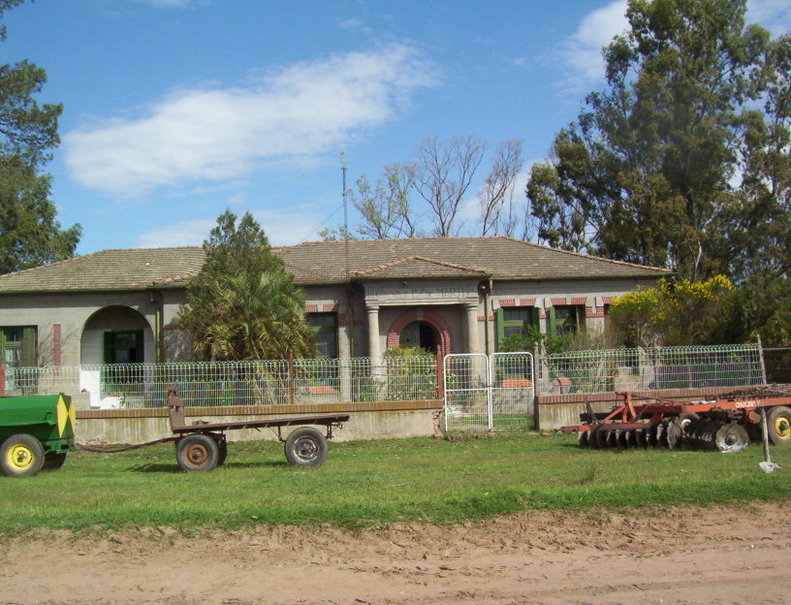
[{"x": 35, "y": 432}]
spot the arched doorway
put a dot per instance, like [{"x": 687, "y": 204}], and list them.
[
  {"x": 435, "y": 337},
  {"x": 419, "y": 334},
  {"x": 116, "y": 334}
]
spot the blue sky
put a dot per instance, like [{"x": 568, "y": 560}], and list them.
[{"x": 175, "y": 110}]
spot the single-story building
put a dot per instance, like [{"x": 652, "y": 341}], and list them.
[{"x": 449, "y": 295}]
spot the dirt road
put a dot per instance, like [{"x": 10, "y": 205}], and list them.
[{"x": 739, "y": 554}]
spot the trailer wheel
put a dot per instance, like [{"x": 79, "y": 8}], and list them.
[
  {"x": 21, "y": 456},
  {"x": 306, "y": 447},
  {"x": 197, "y": 453},
  {"x": 779, "y": 422},
  {"x": 54, "y": 460}
]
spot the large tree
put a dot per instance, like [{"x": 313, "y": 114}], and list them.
[
  {"x": 243, "y": 304},
  {"x": 385, "y": 209},
  {"x": 650, "y": 170},
  {"x": 444, "y": 172},
  {"x": 496, "y": 200},
  {"x": 758, "y": 227},
  {"x": 30, "y": 234}
]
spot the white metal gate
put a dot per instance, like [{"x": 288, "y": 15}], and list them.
[{"x": 488, "y": 393}]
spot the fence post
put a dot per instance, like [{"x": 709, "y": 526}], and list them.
[
  {"x": 290, "y": 378},
  {"x": 440, "y": 374},
  {"x": 761, "y": 358},
  {"x": 536, "y": 389}
]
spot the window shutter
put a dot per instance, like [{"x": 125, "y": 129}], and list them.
[{"x": 28, "y": 357}]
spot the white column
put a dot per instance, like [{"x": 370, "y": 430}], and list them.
[
  {"x": 374, "y": 349},
  {"x": 471, "y": 310}
]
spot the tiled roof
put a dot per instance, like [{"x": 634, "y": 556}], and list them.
[
  {"x": 417, "y": 267},
  {"x": 329, "y": 262}
]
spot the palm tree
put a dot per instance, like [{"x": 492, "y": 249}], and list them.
[
  {"x": 243, "y": 304},
  {"x": 258, "y": 317}
]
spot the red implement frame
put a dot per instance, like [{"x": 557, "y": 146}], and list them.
[{"x": 740, "y": 405}]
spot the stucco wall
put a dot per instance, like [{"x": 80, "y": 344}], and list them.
[
  {"x": 71, "y": 311},
  {"x": 92, "y": 428}
]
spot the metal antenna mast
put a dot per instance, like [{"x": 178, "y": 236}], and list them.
[{"x": 345, "y": 217}]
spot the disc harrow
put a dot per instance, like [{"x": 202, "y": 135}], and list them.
[{"x": 723, "y": 423}]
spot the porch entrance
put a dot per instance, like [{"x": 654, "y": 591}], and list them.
[{"x": 419, "y": 334}]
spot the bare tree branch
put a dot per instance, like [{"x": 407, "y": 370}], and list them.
[
  {"x": 443, "y": 173},
  {"x": 496, "y": 200}
]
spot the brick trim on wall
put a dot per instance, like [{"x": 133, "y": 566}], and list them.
[
  {"x": 430, "y": 317},
  {"x": 56, "y": 345}
]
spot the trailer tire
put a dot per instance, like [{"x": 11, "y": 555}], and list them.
[
  {"x": 197, "y": 453},
  {"x": 21, "y": 456},
  {"x": 779, "y": 422},
  {"x": 54, "y": 460},
  {"x": 306, "y": 447}
]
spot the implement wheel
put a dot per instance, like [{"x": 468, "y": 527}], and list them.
[
  {"x": 21, "y": 456},
  {"x": 306, "y": 447},
  {"x": 197, "y": 453},
  {"x": 779, "y": 422}
]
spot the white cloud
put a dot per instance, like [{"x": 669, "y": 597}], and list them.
[
  {"x": 284, "y": 227},
  {"x": 581, "y": 52},
  {"x": 774, "y": 15},
  {"x": 212, "y": 133},
  {"x": 187, "y": 233}
]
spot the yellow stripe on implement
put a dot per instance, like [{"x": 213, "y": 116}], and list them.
[{"x": 63, "y": 415}]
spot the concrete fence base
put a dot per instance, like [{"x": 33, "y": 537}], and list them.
[{"x": 379, "y": 420}]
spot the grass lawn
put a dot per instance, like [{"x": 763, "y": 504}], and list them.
[{"x": 369, "y": 482}]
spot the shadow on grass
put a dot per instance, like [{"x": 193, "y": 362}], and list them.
[{"x": 158, "y": 467}]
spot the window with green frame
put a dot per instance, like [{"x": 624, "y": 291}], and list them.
[
  {"x": 565, "y": 319},
  {"x": 122, "y": 347},
  {"x": 325, "y": 327},
  {"x": 515, "y": 320},
  {"x": 125, "y": 346},
  {"x": 18, "y": 346}
]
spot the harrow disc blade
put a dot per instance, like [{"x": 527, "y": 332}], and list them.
[
  {"x": 661, "y": 434},
  {"x": 731, "y": 437},
  {"x": 626, "y": 439},
  {"x": 582, "y": 438},
  {"x": 674, "y": 433},
  {"x": 650, "y": 435}
]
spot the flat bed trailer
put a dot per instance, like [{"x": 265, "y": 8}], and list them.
[
  {"x": 724, "y": 422},
  {"x": 202, "y": 446}
]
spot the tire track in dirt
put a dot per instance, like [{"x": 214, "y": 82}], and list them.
[{"x": 708, "y": 555}]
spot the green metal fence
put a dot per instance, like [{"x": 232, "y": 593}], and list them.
[
  {"x": 280, "y": 382},
  {"x": 624, "y": 369}
]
